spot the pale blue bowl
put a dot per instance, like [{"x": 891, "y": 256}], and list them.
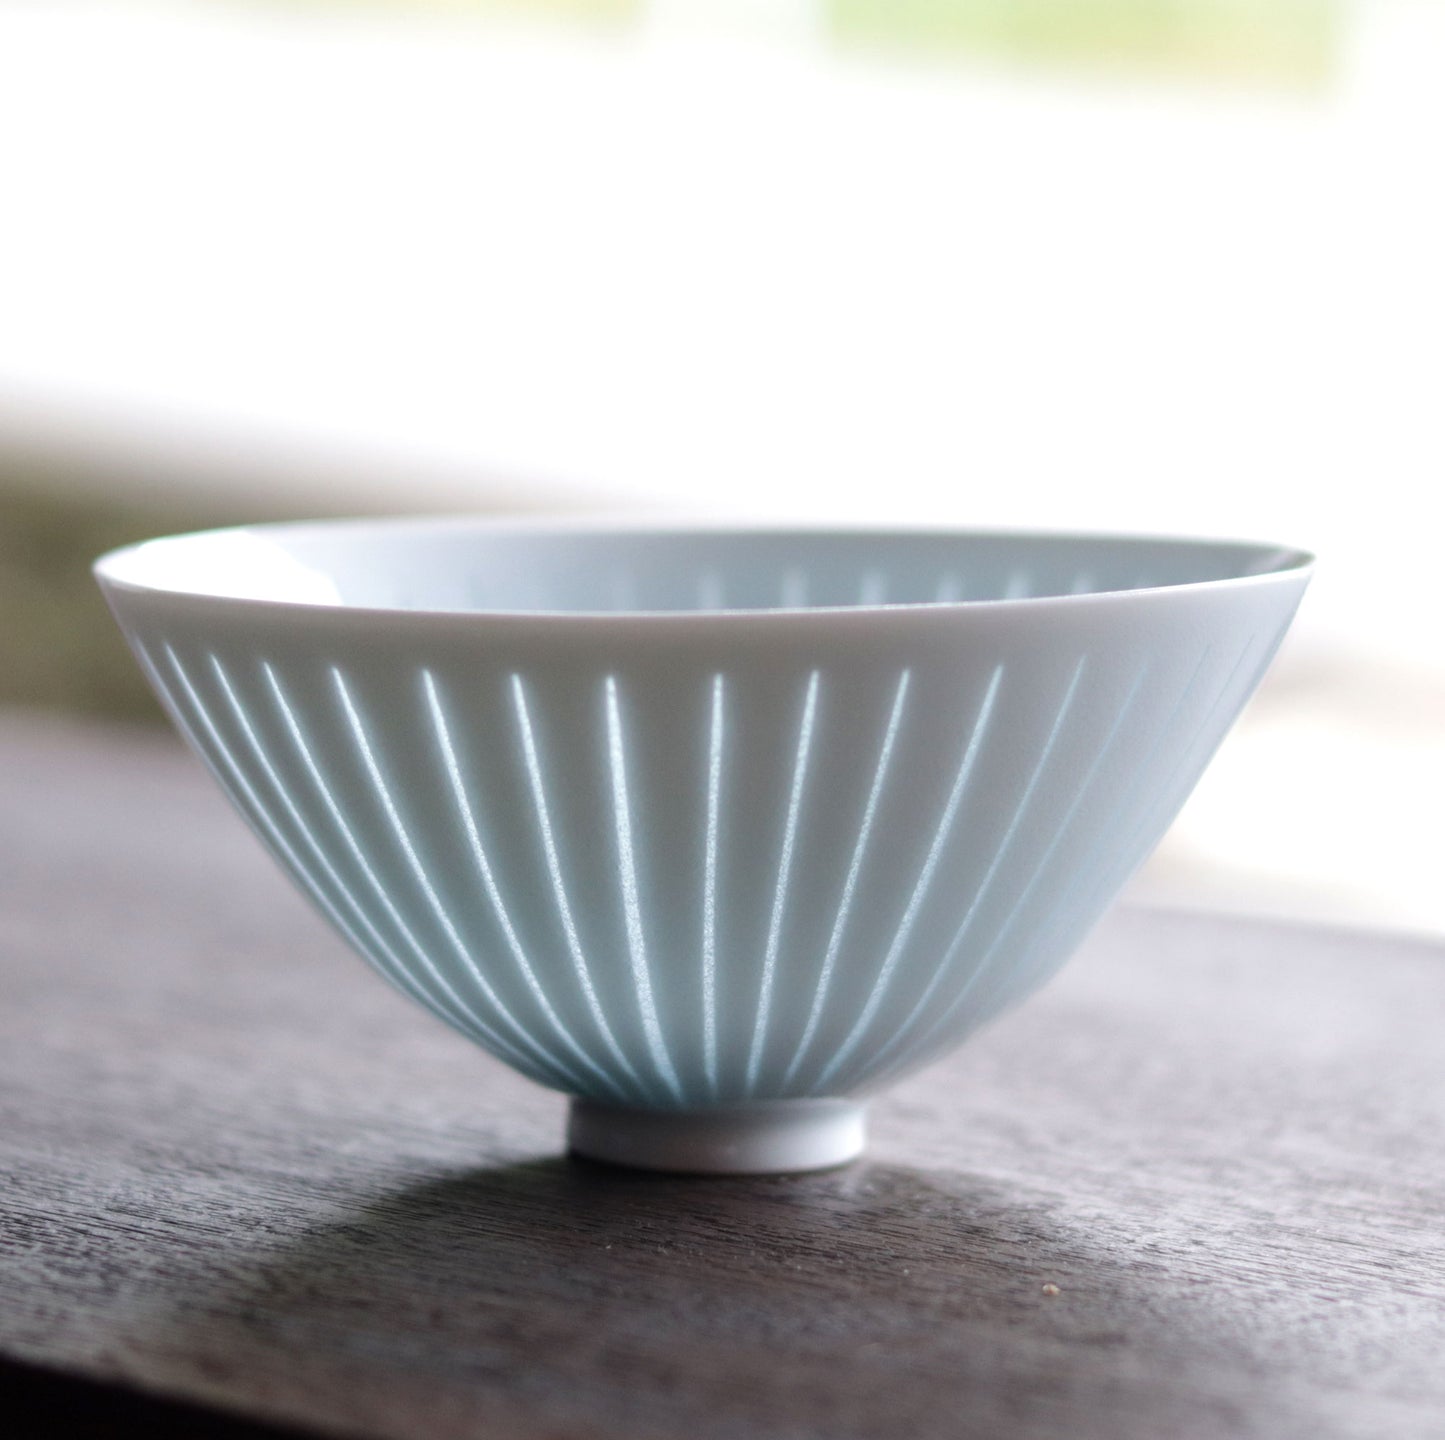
[{"x": 714, "y": 832}]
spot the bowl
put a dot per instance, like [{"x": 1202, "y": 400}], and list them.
[{"x": 716, "y": 832}]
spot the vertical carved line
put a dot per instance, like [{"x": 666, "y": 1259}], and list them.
[
  {"x": 631, "y": 898},
  {"x": 227, "y": 770},
  {"x": 785, "y": 869},
  {"x": 443, "y": 917},
  {"x": 986, "y": 884},
  {"x": 709, "y": 885},
  {"x": 940, "y": 1023},
  {"x": 379, "y": 951},
  {"x": 1141, "y": 774},
  {"x": 318, "y": 780},
  {"x": 845, "y": 903},
  {"x": 467, "y": 813},
  {"x": 559, "y": 889},
  {"x": 1172, "y": 787},
  {"x": 169, "y": 703},
  {"x": 922, "y": 885}
]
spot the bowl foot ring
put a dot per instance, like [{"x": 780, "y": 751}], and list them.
[{"x": 770, "y": 1138}]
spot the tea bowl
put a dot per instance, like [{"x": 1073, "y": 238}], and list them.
[{"x": 716, "y": 832}]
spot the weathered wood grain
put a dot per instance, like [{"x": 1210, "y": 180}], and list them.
[{"x": 238, "y": 1171}]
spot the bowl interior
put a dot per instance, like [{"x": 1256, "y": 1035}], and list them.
[{"x": 462, "y": 565}]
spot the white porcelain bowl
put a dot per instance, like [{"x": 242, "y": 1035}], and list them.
[{"x": 714, "y": 832}]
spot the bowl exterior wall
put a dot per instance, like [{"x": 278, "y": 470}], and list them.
[{"x": 706, "y": 860}]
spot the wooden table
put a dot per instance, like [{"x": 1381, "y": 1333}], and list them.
[{"x": 1196, "y": 1189}]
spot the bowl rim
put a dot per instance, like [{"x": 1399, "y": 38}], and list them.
[{"x": 1289, "y": 564}]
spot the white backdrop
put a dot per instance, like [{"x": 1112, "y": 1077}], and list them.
[{"x": 710, "y": 262}]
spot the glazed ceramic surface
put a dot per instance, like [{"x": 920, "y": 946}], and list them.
[{"x": 716, "y": 832}]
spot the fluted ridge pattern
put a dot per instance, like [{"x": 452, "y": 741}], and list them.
[{"x": 734, "y": 890}]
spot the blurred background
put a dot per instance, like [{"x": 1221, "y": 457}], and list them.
[{"x": 1152, "y": 265}]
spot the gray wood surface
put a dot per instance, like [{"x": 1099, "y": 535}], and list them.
[{"x": 239, "y": 1171}]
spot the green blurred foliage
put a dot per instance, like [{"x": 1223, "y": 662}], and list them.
[{"x": 1292, "y": 42}]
